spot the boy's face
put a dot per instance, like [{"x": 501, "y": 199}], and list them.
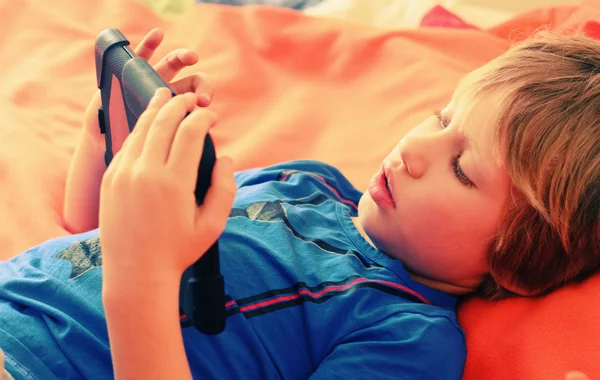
[{"x": 437, "y": 202}]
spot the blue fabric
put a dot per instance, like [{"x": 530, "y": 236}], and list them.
[
  {"x": 294, "y": 4},
  {"x": 308, "y": 297}
]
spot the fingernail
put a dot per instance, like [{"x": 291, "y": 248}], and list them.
[
  {"x": 205, "y": 98},
  {"x": 180, "y": 54}
]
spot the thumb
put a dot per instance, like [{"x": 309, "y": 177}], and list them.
[
  {"x": 576, "y": 375},
  {"x": 211, "y": 217}
]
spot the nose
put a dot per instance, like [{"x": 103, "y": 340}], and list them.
[{"x": 416, "y": 152}]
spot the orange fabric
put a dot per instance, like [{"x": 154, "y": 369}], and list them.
[{"x": 287, "y": 87}]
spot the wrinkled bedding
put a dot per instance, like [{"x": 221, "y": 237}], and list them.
[
  {"x": 288, "y": 86},
  {"x": 293, "y": 4}
]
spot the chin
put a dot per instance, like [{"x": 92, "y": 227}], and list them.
[{"x": 373, "y": 223}]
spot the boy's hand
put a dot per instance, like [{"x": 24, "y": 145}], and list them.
[
  {"x": 168, "y": 67},
  {"x": 149, "y": 221}
]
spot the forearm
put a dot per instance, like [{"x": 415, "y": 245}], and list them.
[
  {"x": 82, "y": 193},
  {"x": 144, "y": 330}
]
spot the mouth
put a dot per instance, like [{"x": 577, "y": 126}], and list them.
[
  {"x": 387, "y": 182},
  {"x": 380, "y": 189}
]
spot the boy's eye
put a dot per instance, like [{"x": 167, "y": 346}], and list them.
[
  {"x": 460, "y": 175},
  {"x": 442, "y": 122},
  {"x": 456, "y": 168}
]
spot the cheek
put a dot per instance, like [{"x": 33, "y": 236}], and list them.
[
  {"x": 445, "y": 221},
  {"x": 425, "y": 221},
  {"x": 432, "y": 222}
]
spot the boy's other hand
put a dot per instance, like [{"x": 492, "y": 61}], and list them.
[
  {"x": 149, "y": 221},
  {"x": 168, "y": 67}
]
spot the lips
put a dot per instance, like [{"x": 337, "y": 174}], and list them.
[
  {"x": 380, "y": 189},
  {"x": 387, "y": 184}
]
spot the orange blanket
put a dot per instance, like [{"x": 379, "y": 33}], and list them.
[{"x": 287, "y": 87}]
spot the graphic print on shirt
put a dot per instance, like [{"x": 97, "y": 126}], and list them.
[
  {"x": 273, "y": 211},
  {"x": 83, "y": 256}
]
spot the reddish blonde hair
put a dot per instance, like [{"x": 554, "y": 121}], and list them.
[{"x": 549, "y": 134}]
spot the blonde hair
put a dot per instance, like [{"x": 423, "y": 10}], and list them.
[{"x": 549, "y": 134}]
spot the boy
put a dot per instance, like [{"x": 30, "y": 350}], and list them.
[{"x": 497, "y": 193}]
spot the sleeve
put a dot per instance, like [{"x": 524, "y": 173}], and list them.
[
  {"x": 51, "y": 306},
  {"x": 411, "y": 347}
]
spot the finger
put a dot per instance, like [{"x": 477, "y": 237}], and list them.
[
  {"x": 174, "y": 62},
  {"x": 107, "y": 177},
  {"x": 149, "y": 44},
  {"x": 134, "y": 143},
  {"x": 211, "y": 217},
  {"x": 188, "y": 144},
  {"x": 162, "y": 131},
  {"x": 199, "y": 84}
]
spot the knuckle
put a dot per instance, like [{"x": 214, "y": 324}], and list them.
[
  {"x": 201, "y": 78},
  {"x": 173, "y": 61},
  {"x": 147, "y": 177},
  {"x": 192, "y": 130},
  {"x": 205, "y": 79},
  {"x": 148, "y": 113},
  {"x": 204, "y": 117},
  {"x": 142, "y": 176},
  {"x": 189, "y": 134},
  {"x": 177, "y": 101},
  {"x": 120, "y": 179}
]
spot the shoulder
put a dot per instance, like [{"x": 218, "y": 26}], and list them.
[
  {"x": 282, "y": 170},
  {"x": 299, "y": 178}
]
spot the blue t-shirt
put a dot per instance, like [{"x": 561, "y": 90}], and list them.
[{"x": 308, "y": 297}]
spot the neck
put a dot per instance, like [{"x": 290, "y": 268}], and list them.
[
  {"x": 445, "y": 287},
  {"x": 432, "y": 283}
]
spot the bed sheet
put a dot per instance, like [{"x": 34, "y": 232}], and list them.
[
  {"x": 292, "y": 4},
  {"x": 408, "y": 13},
  {"x": 288, "y": 86}
]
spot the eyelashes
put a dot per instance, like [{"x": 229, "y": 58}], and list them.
[
  {"x": 438, "y": 114},
  {"x": 455, "y": 163},
  {"x": 460, "y": 175}
]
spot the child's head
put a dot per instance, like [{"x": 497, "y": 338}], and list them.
[{"x": 504, "y": 193}]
